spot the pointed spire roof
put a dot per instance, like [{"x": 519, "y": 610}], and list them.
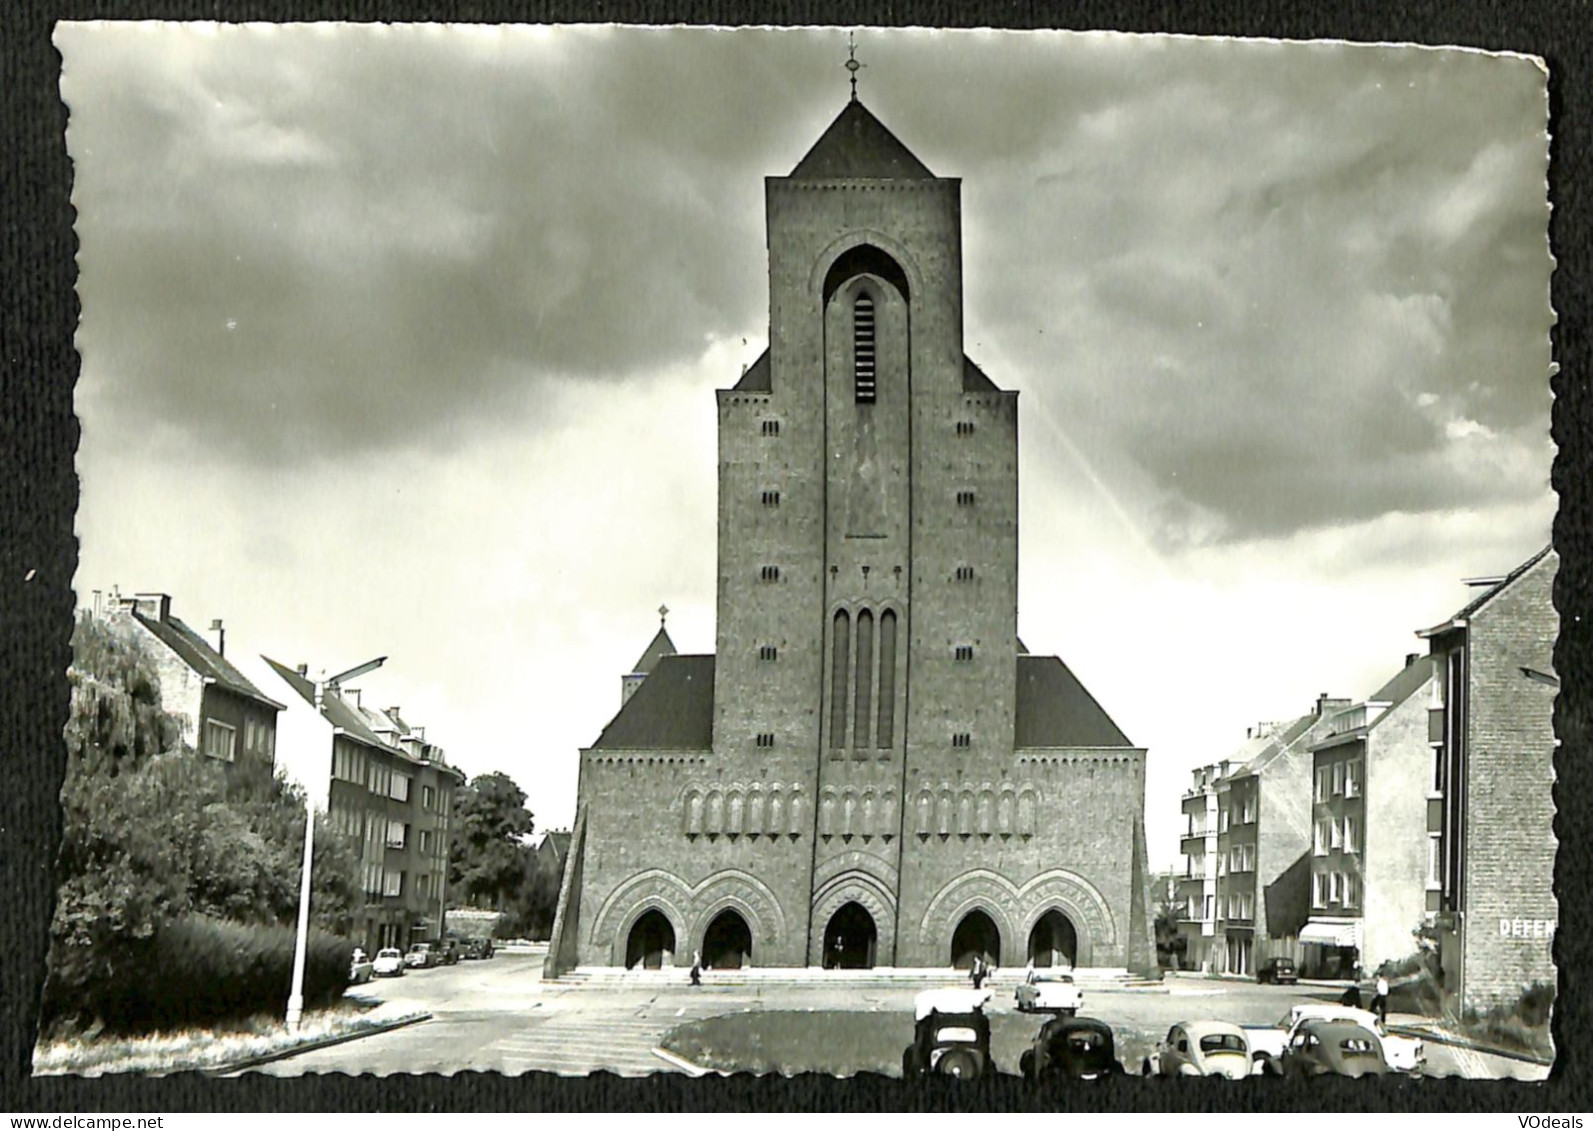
[
  {"x": 661, "y": 646},
  {"x": 858, "y": 146}
]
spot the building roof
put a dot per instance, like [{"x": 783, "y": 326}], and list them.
[
  {"x": 974, "y": 379},
  {"x": 1409, "y": 680},
  {"x": 858, "y": 146},
  {"x": 673, "y": 709},
  {"x": 1277, "y": 743},
  {"x": 1459, "y": 619},
  {"x": 341, "y": 714},
  {"x": 197, "y": 653},
  {"x": 556, "y": 844},
  {"x": 1054, "y": 709},
  {"x": 661, "y": 646},
  {"x": 756, "y": 378}
]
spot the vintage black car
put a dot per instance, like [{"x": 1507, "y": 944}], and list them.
[
  {"x": 1330, "y": 1048},
  {"x": 1074, "y": 1048},
  {"x": 478, "y": 948},
  {"x": 951, "y": 1035},
  {"x": 1278, "y": 971}
]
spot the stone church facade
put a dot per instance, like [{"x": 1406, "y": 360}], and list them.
[{"x": 870, "y": 769}]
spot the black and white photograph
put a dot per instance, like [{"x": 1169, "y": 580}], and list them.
[{"x": 841, "y": 550}]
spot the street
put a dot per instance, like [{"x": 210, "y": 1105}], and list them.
[{"x": 498, "y": 1016}]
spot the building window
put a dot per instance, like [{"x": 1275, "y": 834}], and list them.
[
  {"x": 1211, "y": 906},
  {"x": 768, "y": 652},
  {"x": 1316, "y": 890},
  {"x": 428, "y": 798},
  {"x": 965, "y": 498},
  {"x": 963, "y": 652},
  {"x": 1435, "y": 856},
  {"x": 1319, "y": 846},
  {"x": 863, "y": 374},
  {"x": 1334, "y": 886},
  {"x": 769, "y": 573},
  {"x": 864, "y": 667},
  {"x": 1352, "y": 837},
  {"x": 1335, "y": 836},
  {"x": 1249, "y": 814},
  {"x": 1338, "y": 779},
  {"x": 961, "y": 740},
  {"x": 771, "y": 427},
  {"x": 841, "y": 647},
  {"x": 219, "y": 740},
  {"x": 965, "y": 573},
  {"x": 393, "y": 882},
  {"x": 771, "y": 498},
  {"x": 766, "y": 740},
  {"x": 1352, "y": 779},
  {"x": 1322, "y": 784},
  {"x": 425, "y": 842},
  {"x": 965, "y": 427},
  {"x": 398, "y": 788},
  {"x": 1349, "y": 889},
  {"x": 1222, "y": 819},
  {"x": 885, "y": 732},
  {"x": 397, "y": 834}
]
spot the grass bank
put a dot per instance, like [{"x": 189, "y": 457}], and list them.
[
  {"x": 841, "y": 1043},
  {"x": 190, "y": 1050}
]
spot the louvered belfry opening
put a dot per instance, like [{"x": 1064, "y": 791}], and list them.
[{"x": 863, "y": 360}]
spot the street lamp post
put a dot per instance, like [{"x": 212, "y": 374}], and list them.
[{"x": 301, "y": 940}]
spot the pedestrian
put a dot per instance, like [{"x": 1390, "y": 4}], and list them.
[
  {"x": 696, "y": 968},
  {"x": 977, "y": 972},
  {"x": 1380, "y": 1001}
]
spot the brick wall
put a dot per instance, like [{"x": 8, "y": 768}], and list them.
[{"x": 1509, "y": 839}]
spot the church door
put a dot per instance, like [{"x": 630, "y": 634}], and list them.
[
  {"x": 849, "y": 939},
  {"x": 651, "y": 942},
  {"x": 727, "y": 944},
  {"x": 1053, "y": 941},
  {"x": 975, "y": 935}
]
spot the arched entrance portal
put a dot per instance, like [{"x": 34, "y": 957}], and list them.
[
  {"x": 727, "y": 944},
  {"x": 976, "y": 934},
  {"x": 849, "y": 939},
  {"x": 651, "y": 942},
  {"x": 1054, "y": 941}
]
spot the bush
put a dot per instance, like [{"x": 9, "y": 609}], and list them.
[
  {"x": 199, "y": 971},
  {"x": 1522, "y": 1024}
]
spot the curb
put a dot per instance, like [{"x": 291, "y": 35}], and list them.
[
  {"x": 680, "y": 1062},
  {"x": 312, "y": 1046},
  {"x": 1471, "y": 1046}
]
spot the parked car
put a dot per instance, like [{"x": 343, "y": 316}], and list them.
[
  {"x": 360, "y": 968},
  {"x": 1331, "y": 1048},
  {"x": 951, "y": 1035},
  {"x": 477, "y": 948},
  {"x": 1202, "y": 1048},
  {"x": 448, "y": 952},
  {"x": 421, "y": 956},
  {"x": 1049, "y": 991},
  {"x": 1074, "y": 1048},
  {"x": 1278, "y": 971},
  {"x": 389, "y": 963},
  {"x": 1403, "y": 1054}
]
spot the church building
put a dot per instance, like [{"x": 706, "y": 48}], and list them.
[{"x": 870, "y": 770}]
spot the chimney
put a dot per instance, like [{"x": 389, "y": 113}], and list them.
[
  {"x": 98, "y": 610},
  {"x": 1325, "y": 704},
  {"x": 352, "y": 693},
  {"x": 1411, "y": 658},
  {"x": 394, "y": 712},
  {"x": 303, "y": 670},
  {"x": 153, "y": 606},
  {"x": 220, "y": 636}
]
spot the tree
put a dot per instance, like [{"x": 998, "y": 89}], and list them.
[
  {"x": 1170, "y": 945},
  {"x": 488, "y": 861}
]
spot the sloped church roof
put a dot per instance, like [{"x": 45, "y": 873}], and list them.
[{"x": 857, "y": 145}]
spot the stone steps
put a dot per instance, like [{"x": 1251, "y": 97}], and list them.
[{"x": 1098, "y": 978}]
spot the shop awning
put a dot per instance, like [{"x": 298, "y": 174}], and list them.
[{"x": 1327, "y": 933}]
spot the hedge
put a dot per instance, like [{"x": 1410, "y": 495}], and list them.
[{"x": 196, "y": 971}]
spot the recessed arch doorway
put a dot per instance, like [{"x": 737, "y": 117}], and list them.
[
  {"x": 651, "y": 942},
  {"x": 850, "y": 938},
  {"x": 976, "y": 935},
  {"x": 727, "y": 943},
  {"x": 1054, "y": 941}
]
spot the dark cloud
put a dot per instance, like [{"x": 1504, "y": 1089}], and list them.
[{"x": 1291, "y": 285}]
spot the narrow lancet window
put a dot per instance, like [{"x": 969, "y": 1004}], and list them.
[
  {"x": 839, "y": 650},
  {"x": 865, "y": 675},
  {"x": 863, "y": 371},
  {"x": 884, "y": 734}
]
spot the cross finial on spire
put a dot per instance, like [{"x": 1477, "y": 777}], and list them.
[
  {"x": 851, "y": 63},
  {"x": 663, "y": 611}
]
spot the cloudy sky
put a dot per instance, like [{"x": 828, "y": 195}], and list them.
[{"x": 402, "y": 341}]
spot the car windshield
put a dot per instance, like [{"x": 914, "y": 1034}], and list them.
[
  {"x": 1066, "y": 978},
  {"x": 1085, "y": 1042},
  {"x": 1357, "y": 1046},
  {"x": 1223, "y": 1042},
  {"x": 389, "y": 953},
  {"x": 421, "y": 946}
]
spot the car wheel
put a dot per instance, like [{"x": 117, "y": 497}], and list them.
[
  {"x": 1145, "y": 1067},
  {"x": 1026, "y": 1064},
  {"x": 909, "y": 1068},
  {"x": 958, "y": 1063}
]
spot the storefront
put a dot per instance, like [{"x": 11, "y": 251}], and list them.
[{"x": 1331, "y": 948}]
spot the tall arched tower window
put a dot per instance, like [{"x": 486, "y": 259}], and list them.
[
  {"x": 838, "y": 655},
  {"x": 864, "y": 377},
  {"x": 884, "y": 734},
  {"x": 865, "y": 676}
]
